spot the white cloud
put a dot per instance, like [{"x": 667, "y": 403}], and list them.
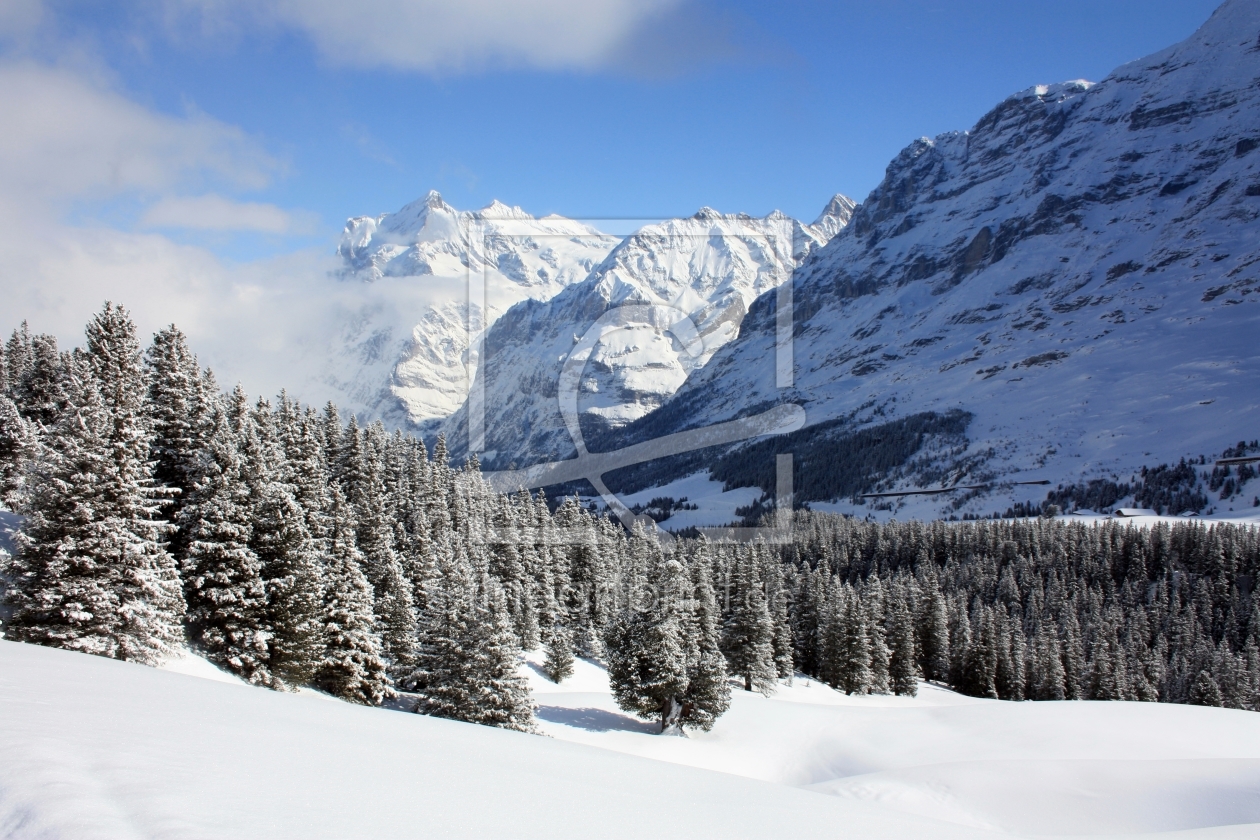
[
  {"x": 68, "y": 142},
  {"x": 214, "y": 212},
  {"x": 267, "y": 324},
  {"x": 445, "y": 36},
  {"x": 67, "y": 137}
]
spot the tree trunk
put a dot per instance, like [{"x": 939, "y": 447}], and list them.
[
  {"x": 748, "y": 681},
  {"x": 671, "y": 717}
]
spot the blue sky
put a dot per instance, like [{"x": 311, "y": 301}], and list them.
[
  {"x": 191, "y": 157},
  {"x": 742, "y": 106}
]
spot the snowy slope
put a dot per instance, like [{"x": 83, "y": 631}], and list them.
[
  {"x": 147, "y": 754},
  {"x": 1051, "y": 768},
  {"x": 658, "y": 308},
  {"x": 402, "y": 356},
  {"x": 92, "y": 748},
  {"x": 1079, "y": 272}
]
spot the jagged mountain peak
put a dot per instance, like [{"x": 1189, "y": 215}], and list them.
[
  {"x": 497, "y": 210},
  {"x": 703, "y": 270},
  {"x": 402, "y": 357},
  {"x": 839, "y": 205},
  {"x": 834, "y": 217},
  {"x": 414, "y": 217}
]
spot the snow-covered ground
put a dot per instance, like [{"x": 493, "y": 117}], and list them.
[
  {"x": 913, "y": 510},
  {"x": 1066, "y": 768},
  {"x": 192, "y": 665},
  {"x": 92, "y": 748},
  {"x": 715, "y": 506}
]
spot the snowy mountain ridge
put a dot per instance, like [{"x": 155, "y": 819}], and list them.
[
  {"x": 1069, "y": 289},
  {"x": 403, "y": 359},
  {"x": 661, "y": 304}
]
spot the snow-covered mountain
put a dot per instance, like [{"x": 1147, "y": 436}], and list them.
[
  {"x": 657, "y": 309},
  {"x": 402, "y": 355},
  {"x": 1069, "y": 289}
]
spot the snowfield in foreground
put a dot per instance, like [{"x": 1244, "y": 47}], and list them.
[
  {"x": 92, "y": 748},
  {"x": 1066, "y": 768}
]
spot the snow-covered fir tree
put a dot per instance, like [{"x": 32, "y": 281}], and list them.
[
  {"x": 223, "y": 583},
  {"x": 92, "y": 572},
  {"x": 360, "y": 471},
  {"x": 647, "y": 664},
  {"x": 17, "y": 449},
  {"x": 291, "y": 574},
  {"x": 934, "y": 634},
  {"x": 350, "y": 665},
  {"x": 747, "y": 630},
  {"x": 873, "y": 611},
  {"x": 178, "y": 411},
  {"x": 663, "y": 660},
  {"x": 503, "y": 698},
  {"x": 39, "y": 383},
  {"x": 903, "y": 668},
  {"x": 468, "y": 658},
  {"x": 708, "y": 688},
  {"x": 558, "y": 663}
]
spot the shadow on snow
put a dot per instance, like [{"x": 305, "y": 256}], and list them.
[{"x": 596, "y": 720}]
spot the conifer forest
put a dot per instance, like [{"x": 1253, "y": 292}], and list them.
[{"x": 293, "y": 547}]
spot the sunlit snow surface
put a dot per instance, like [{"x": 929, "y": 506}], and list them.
[
  {"x": 1068, "y": 768},
  {"x": 92, "y": 748}
]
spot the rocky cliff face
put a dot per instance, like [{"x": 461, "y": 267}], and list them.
[{"x": 1079, "y": 275}]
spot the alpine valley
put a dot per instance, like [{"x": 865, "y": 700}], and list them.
[{"x": 897, "y": 523}]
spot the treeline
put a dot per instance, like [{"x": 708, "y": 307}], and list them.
[
  {"x": 294, "y": 548},
  {"x": 1031, "y": 609}
]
